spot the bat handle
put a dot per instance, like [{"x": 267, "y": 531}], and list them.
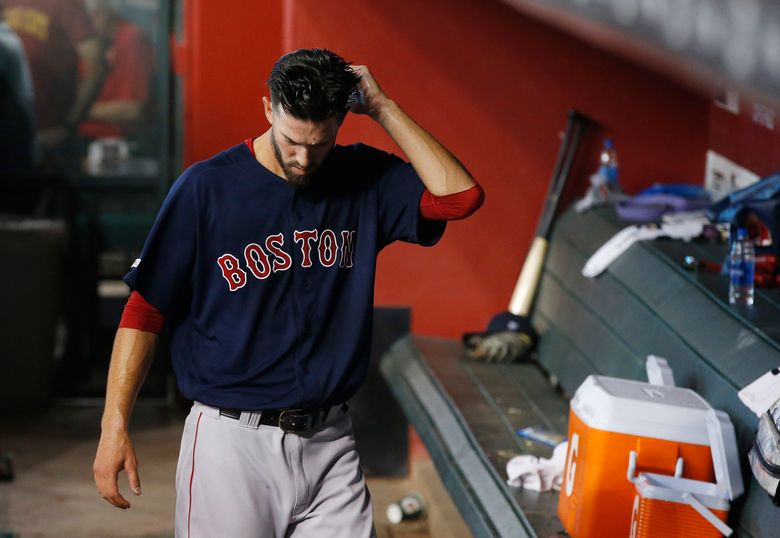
[{"x": 523, "y": 296}]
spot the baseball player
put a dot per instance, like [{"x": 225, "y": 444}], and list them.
[{"x": 262, "y": 262}]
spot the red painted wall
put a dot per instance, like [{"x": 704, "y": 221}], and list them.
[
  {"x": 494, "y": 87},
  {"x": 224, "y": 59},
  {"x": 741, "y": 139}
]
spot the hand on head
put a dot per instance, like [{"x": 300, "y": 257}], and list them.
[{"x": 371, "y": 97}]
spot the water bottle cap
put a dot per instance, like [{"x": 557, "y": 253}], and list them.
[{"x": 742, "y": 233}]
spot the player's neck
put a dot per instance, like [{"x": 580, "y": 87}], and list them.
[{"x": 264, "y": 153}]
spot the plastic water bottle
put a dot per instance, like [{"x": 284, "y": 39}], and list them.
[
  {"x": 604, "y": 186},
  {"x": 742, "y": 263},
  {"x": 609, "y": 163}
]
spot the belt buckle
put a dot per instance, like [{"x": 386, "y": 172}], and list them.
[{"x": 290, "y": 422}]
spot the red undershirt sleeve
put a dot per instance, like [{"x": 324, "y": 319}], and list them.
[
  {"x": 141, "y": 315},
  {"x": 452, "y": 206}
]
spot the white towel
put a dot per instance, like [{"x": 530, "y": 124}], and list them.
[{"x": 538, "y": 474}]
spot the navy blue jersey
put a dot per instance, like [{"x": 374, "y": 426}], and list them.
[{"x": 268, "y": 290}]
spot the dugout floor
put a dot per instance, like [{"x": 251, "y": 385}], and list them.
[{"x": 54, "y": 495}]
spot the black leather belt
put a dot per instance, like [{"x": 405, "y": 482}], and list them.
[{"x": 289, "y": 420}]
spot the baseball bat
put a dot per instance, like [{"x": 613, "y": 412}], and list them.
[
  {"x": 525, "y": 290},
  {"x": 510, "y": 335}
]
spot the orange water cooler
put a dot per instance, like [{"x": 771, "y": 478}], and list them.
[{"x": 664, "y": 426}]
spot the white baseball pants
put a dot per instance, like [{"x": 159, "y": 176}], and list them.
[{"x": 236, "y": 481}]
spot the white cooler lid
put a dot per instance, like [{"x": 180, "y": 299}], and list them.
[{"x": 642, "y": 409}]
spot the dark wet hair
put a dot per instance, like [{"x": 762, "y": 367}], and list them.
[{"x": 312, "y": 84}]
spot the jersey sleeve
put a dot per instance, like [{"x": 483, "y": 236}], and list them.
[
  {"x": 165, "y": 266},
  {"x": 399, "y": 190}
]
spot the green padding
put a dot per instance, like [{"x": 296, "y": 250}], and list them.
[
  {"x": 588, "y": 230},
  {"x": 609, "y": 351},
  {"x": 680, "y": 300},
  {"x": 559, "y": 356},
  {"x": 482, "y": 498}
]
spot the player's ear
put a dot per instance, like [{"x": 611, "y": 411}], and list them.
[{"x": 268, "y": 108}]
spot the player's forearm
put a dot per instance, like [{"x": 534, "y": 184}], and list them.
[
  {"x": 439, "y": 170},
  {"x": 130, "y": 360}
]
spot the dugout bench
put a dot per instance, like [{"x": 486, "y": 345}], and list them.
[{"x": 646, "y": 303}]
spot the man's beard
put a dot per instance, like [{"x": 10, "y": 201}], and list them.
[{"x": 299, "y": 181}]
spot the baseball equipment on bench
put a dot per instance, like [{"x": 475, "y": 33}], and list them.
[{"x": 510, "y": 335}]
